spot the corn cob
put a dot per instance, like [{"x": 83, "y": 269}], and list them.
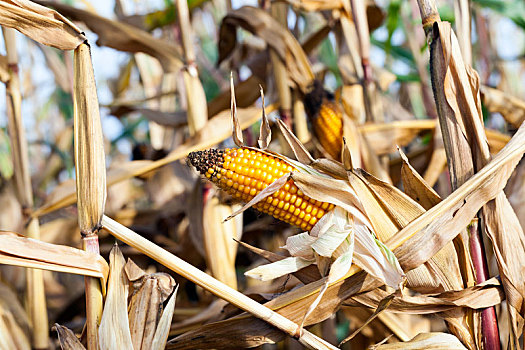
[
  {"x": 326, "y": 118},
  {"x": 243, "y": 173}
]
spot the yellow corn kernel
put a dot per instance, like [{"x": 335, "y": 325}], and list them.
[{"x": 248, "y": 172}]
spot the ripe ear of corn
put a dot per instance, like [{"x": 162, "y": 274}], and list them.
[
  {"x": 326, "y": 118},
  {"x": 243, "y": 173}
]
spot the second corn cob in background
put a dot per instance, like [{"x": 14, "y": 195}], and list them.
[
  {"x": 243, "y": 173},
  {"x": 326, "y": 118}
]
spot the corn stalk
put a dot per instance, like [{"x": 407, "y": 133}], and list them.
[{"x": 90, "y": 177}]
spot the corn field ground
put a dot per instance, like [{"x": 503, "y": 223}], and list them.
[{"x": 262, "y": 174}]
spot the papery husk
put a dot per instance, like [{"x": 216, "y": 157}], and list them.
[
  {"x": 383, "y": 137},
  {"x": 164, "y": 325},
  {"x": 307, "y": 275},
  {"x": 415, "y": 186},
  {"x": 146, "y": 303},
  {"x": 114, "y": 331},
  {"x": 442, "y": 270}
]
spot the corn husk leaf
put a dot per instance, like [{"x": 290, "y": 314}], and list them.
[
  {"x": 260, "y": 23},
  {"x": 265, "y": 133},
  {"x": 114, "y": 331},
  {"x": 236, "y": 128},
  {"x": 477, "y": 191},
  {"x": 41, "y": 24},
  {"x": 279, "y": 268},
  {"x": 306, "y": 275},
  {"x": 68, "y": 340},
  {"x": 163, "y": 327},
  {"x": 27, "y": 252},
  {"x": 415, "y": 186},
  {"x": 480, "y": 296},
  {"x": 147, "y": 297},
  {"x": 300, "y": 152},
  {"x": 422, "y": 341}
]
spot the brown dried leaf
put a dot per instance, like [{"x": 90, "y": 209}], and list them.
[
  {"x": 394, "y": 210},
  {"x": 68, "y": 340},
  {"x": 236, "y": 128},
  {"x": 510, "y": 107},
  {"x": 300, "y": 152},
  {"x": 265, "y": 133},
  {"x": 20, "y": 251},
  {"x": 383, "y": 137},
  {"x": 123, "y": 37},
  {"x": 486, "y": 294},
  {"x": 428, "y": 233},
  {"x": 40, "y": 24},
  {"x": 415, "y": 186},
  {"x": 262, "y": 24},
  {"x": 147, "y": 297},
  {"x": 461, "y": 90},
  {"x": 164, "y": 325}
]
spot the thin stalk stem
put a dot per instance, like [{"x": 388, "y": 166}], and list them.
[
  {"x": 489, "y": 324},
  {"x": 196, "y": 99},
  {"x": 280, "y": 73}
]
